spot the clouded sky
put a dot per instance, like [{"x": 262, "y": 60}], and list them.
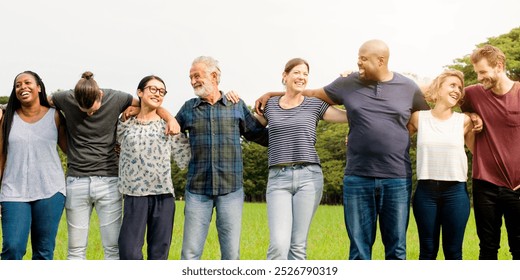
[{"x": 121, "y": 41}]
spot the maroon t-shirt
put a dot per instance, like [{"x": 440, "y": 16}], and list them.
[{"x": 496, "y": 157}]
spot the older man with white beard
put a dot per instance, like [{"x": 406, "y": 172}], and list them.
[{"x": 214, "y": 126}]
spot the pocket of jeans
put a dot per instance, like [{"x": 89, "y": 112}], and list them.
[
  {"x": 71, "y": 180},
  {"x": 314, "y": 168},
  {"x": 109, "y": 180},
  {"x": 275, "y": 172}
]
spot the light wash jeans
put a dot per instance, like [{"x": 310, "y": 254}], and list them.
[
  {"x": 198, "y": 211},
  {"x": 367, "y": 200},
  {"x": 84, "y": 193},
  {"x": 293, "y": 195}
]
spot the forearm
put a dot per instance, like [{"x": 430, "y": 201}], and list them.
[
  {"x": 318, "y": 93},
  {"x": 164, "y": 114}
]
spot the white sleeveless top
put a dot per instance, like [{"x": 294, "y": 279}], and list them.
[
  {"x": 440, "y": 148},
  {"x": 33, "y": 168}
]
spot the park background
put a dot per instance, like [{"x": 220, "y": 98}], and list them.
[{"x": 121, "y": 41}]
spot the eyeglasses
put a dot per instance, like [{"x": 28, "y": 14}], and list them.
[{"x": 153, "y": 90}]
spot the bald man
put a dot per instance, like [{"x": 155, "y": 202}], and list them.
[{"x": 377, "y": 182}]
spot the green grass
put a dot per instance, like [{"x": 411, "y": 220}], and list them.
[{"x": 328, "y": 238}]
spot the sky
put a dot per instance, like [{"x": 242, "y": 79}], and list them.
[{"x": 121, "y": 41}]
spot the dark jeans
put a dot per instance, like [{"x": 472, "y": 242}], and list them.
[
  {"x": 441, "y": 205},
  {"x": 40, "y": 218},
  {"x": 491, "y": 203},
  {"x": 367, "y": 200},
  {"x": 152, "y": 215}
]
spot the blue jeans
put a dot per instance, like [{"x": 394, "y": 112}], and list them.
[
  {"x": 41, "y": 218},
  {"x": 366, "y": 198},
  {"x": 493, "y": 203},
  {"x": 441, "y": 205},
  {"x": 198, "y": 211},
  {"x": 84, "y": 193},
  {"x": 293, "y": 195}
]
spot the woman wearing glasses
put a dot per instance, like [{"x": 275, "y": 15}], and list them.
[
  {"x": 92, "y": 116},
  {"x": 145, "y": 176}
]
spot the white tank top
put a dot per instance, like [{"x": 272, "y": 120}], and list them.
[
  {"x": 440, "y": 148},
  {"x": 33, "y": 168}
]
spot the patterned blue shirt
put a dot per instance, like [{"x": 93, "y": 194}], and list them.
[{"x": 215, "y": 134}]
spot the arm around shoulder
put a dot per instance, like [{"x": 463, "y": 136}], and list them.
[
  {"x": 262, "y": 101},
  {"x": 413, "y": 123},
  {"x": 62, "y": 134},
  {"x": 319, "y": 93},
  {"x": 469, "y": 133},
  {"x": 335, "y": 115},
  {"x": 172, "y": 126}
]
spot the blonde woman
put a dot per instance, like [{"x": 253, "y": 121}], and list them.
[{"x": 441, "y": 201}]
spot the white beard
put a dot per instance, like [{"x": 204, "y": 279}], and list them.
[{"x": 204, "y": 90}]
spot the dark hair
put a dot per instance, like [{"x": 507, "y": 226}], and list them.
[
  {"x": 144, "y": 81},
  {"x": 293, "y": 63},
  {"x": 14, "y": 104},
  {"x": 87, "y": 90}
]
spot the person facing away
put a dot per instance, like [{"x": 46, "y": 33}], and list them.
[
  {"x": 377, "y": 181},
  {"x": 215, "y": 173},
  {"x": 92, "y": 169},
  {"x": 496, "y": 160},
  {"x": 33, "y": 183},
  {"x": 145, "y": 176},
  {"x": 295, "y": 183},
  {"x": 441, "y": 200}
]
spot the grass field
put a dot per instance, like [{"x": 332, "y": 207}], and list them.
[{"x": 328, "y": 238}]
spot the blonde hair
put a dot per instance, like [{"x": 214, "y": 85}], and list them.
[
  {"x": 493, "y": 55},
  {"x": 432, "y": 92}
]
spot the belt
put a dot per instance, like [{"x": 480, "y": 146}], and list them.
[{"x": 293, "y": 165}]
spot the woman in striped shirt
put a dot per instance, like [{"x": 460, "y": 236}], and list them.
[{"x": 295, "y": 183}]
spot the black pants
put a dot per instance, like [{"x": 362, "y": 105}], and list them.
[
  {"x": 152, "y": 215},
  {"x": 491, "y": 203}
]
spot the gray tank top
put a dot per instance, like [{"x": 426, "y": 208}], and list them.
[{"x": 33, "y": 168}]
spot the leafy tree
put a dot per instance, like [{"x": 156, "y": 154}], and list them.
[
  {"x": 4, "y": 99},
  {"x": 178, "y": 180},
  {"x": 508, "y": 43},
  {"x": 331, "y": 149},
  {"x": 256, "y": 171}
]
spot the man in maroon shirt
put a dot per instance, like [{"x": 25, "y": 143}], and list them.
[{"x": 496, "y": 158}]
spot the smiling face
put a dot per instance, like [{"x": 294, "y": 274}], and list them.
[
  {"x": 203, "y": 83},
  {"x": 26, "y": 88},
  {"x": 368, "y": 64},
  {"x": 486, "y": 74},
  {"x": 373, "y": 60},
  {"x": 296, "y": 79},
  {"x": 451, "y": 92},
  {"x": 149, "y": 99}
]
